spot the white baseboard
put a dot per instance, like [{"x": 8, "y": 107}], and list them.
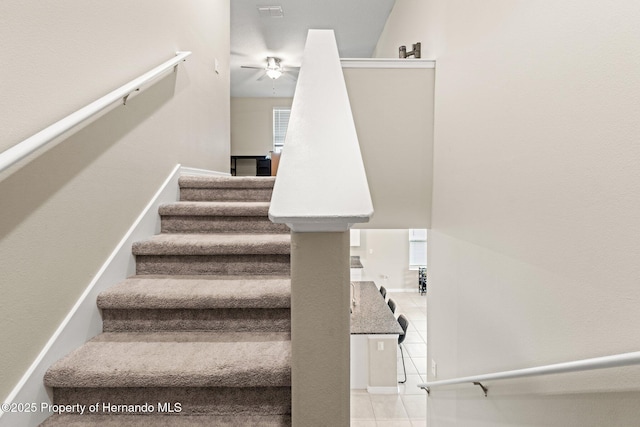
[
  {"x": 404, "y": 290},
  {"x": 84, "y": 321},
  {"x": 201, "y": 172}
]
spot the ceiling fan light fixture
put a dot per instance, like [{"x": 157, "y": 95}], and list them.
[
  {"x": 273, "y": 69},
  {"x": 274, "y": 74}
]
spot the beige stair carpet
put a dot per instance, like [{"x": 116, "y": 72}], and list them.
[{"x": 202, "y": 331}]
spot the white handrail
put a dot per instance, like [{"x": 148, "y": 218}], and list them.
[
  {"x": 617, "y": 360},
  {"x": 73, "y": 121}
]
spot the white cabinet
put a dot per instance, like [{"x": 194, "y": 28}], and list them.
[{"x": 354, "y": 237}]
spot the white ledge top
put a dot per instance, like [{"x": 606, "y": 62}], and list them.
[
  {"x": 321, "y": 185},
  {"x": 387, "y": 63}
]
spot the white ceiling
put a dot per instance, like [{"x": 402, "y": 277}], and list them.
[{"x": 357, "y": 24}]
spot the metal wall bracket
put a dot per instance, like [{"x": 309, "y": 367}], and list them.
[
  {"x": 126, "y": 97},
  {"x": 485, "y": 389},
  {"x": 416, "y": 52}
]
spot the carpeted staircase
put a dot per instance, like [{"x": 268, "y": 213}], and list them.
[{"x": 201, "y": 333}]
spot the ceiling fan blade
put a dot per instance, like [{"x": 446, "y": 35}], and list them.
[
  {"x": 259, "y": 79},
  {"x": 289, "y": 76},
  {"x": 255, "y": 68}
]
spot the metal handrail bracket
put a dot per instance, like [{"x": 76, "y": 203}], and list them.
[
  {"x": 73, "y": 122},
  {"x": 613, "y": 361}
]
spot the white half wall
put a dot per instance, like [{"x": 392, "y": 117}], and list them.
[
  {"x": 393, "y": 112},
  {"x": 533, "y": 248}
]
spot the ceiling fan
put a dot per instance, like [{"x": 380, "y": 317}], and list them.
[{"x": 273, "y": 69}]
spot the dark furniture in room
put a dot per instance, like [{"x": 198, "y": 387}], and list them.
[
  {"x": 263, "y": 164},
  {"x": 392, "y": 305},
  {"x": 422, "y": 280},
  {"x": 404, "y": 324}
]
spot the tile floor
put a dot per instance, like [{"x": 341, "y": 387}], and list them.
[{"x": 409, "y": 407}]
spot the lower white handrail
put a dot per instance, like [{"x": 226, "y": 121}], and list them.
[
  {"x": 62, "y": 127},
  {"x": 617, "y": 360}
]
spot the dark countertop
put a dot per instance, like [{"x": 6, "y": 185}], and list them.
[
  {"x": 355, "y": 262},
  {"x": 372, "y": 315}
]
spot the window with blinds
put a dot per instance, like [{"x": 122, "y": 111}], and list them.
[
  {"x": 417, "y": 248},
  {"x": 280, "y": 123}
]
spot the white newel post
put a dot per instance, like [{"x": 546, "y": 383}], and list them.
[{"x": 320, "y": 192}]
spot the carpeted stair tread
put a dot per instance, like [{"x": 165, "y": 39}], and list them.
[
  {"x": 218, "y": 217},
  {"x": 67, "y": 420},
  {"x": 214, "y": 244},
  {"x": 167, "y": 421},
  {"x": 192, "y": 292},
  {"x": 217, "y": 188},
  {"x": 216, "y": 209},
  {"x": 227, "y": 401},
  {"x": 207, "y": 337},
  {"x": 206, "y": 322},
  {"x": 251, "y": 182},
  {"x": 176, "y": 359}
]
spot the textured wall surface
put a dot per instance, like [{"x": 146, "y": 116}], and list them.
[
  {"x": 534, "y": 243},
  {"x": 64, "y": 212},
  {"x": 320, "y": 337},
  {"x": 393, "y": 113}
]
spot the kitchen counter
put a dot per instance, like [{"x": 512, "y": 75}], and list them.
[
  {"x": 371, "y": 314},
  {"x": 374, "y": 341},
  {"x": 355, "y": 262}
]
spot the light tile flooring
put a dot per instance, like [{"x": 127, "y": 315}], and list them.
[{"x": 409, "y": 407}]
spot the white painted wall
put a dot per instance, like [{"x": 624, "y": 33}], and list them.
[
  {"x": 533, "y": 249},
  {"x": 413, "y": 21},
  {"x": 252, "y": 124},
  {"x": 63, "y": 213},
  {"x": 252, "y": 129},
  {"x": 393, "y": 113},
  {"x": 385, "y": 257}
]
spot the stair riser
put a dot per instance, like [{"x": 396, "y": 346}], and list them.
[
  {"x": 225, "y": 194},
  {"x": 193, "y": 401},
  {"x": 230, "y": 364},
  {"x": 214, "y": 264},
  {"x": 66, "y": 420},
  {"x": 212, "y": 224},
  {"x": 225, "y": 320}
]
